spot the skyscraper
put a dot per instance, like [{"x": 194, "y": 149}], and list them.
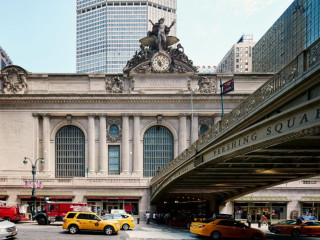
[
  {"x": 4, "y": 59},
  {"x": 239, "y": 58},
  {"x": 108, "y": 31},
  {"x": 295, "y": 30}
]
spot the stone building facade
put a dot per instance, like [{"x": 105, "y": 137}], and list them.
[{"x": 103, "y": 136}]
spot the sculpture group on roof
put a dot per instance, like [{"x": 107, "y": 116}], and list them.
[{"x": 157, "y": 41}]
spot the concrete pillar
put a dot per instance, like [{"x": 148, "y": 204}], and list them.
[
  {"x": 125, "y": 145},
  {"x": 136, "y": 145},
  {"x": 226, "y": 208},
  {"x": 91, "y": 143},
  {"x": 103, "y": 161},
  {"x": 182, "y": 133},
  {"x": 194, "y": 128},
  {"x": 46, "y": 142}
]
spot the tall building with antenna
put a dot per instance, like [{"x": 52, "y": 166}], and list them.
[{"x": 108, "y": 31}]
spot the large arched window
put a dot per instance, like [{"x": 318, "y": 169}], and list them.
[
  {"x": 157, "y": 150},
  {"x": 70, "y": 152}
]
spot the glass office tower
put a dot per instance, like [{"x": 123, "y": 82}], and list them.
[
  {"x": 296, "y": 29},
  {"x": 108, "y": 32}
]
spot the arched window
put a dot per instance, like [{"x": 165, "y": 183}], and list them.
[
  {"x": 157, "y": 149},
  {"x": 70, "y": 152}
]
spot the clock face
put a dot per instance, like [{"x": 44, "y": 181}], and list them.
[{"x": 160, "y": 63}]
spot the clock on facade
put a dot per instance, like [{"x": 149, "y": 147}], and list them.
[{"x": 160, "y": 62}]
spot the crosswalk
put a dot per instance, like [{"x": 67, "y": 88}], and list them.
[{"x": 158, "y": 232}]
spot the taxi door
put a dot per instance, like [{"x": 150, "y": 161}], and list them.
[
  {"x": 310, "y": 228},
  {"x": 119, "y": 218},
  {"x": 316, "y": 228},
  {"x": 94, "y": 222},
  {"x": 83, "y": 220},
  {"x": 240, "y": 230}
]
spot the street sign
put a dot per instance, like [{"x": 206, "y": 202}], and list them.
[{"x": 228, "y": 86}]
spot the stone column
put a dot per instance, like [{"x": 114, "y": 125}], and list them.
[
  {"x": 103, "y": 161},
  {"x": 182, "y": 133},
  {"x": 216, "y": 118},
  {"x": 46, "y": 142},
  {"x": 194, "y": 128},
  {"x": 91, "y": 143},
  {"x": 125, "y": 145},
  {"x": 36, "y": 136},
  {"x": 136, "y": 144}
]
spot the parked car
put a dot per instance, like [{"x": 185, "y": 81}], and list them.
[
  {"x": 298, "y": 228},
  {"x": 76, "y": 221},
  {"x": 272, "y": 227},
  {"x": 126, "y": 220},
  {"x": 226, "y": 228},
  {"x": 7, "y": 229}
]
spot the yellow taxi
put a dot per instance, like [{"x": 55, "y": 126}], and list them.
[
  {"x": 76, "y": 221},
  {"x": 126, "y": 220},
  {"x": 226, "y": 228},
  {"x": 297, "y": 228}
]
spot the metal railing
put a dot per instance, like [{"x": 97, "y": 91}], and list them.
[{"x": 280, "y": 83}]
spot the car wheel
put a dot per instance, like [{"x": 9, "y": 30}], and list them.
[
  {"x": 295, "y": 233},
  {"x": 215, "y": 235},
  {"x": 257, "y": 236},
  {"x": 125, "y": 227},
  {"x": 42, "y": 221},
  {"x": 7, "y": 219},
  {"x": 108, "y": 230},
  {"x": 73, "y": 229}
]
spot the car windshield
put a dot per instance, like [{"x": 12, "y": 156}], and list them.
[{"x": 290, "y": 222}]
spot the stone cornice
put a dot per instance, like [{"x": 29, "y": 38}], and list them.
[{"x": 118, "y": 98}]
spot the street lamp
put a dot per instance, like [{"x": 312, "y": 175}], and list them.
[
  {"x": 192, "y": 92},
  {"x": 25, "y": 161}
]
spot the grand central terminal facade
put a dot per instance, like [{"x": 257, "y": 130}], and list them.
[{"x": 104, "y": 136}]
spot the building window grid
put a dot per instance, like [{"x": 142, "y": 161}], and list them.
[
  {"x": 287, "y": 37},
  {"x": 116, "y": 15},
  {"x": 114, "y": 159},
  {"x": 69, "y": 153},
  {"x": 157, "y": 150}
]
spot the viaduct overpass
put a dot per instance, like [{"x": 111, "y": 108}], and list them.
[{"x": 271, "y": 138}]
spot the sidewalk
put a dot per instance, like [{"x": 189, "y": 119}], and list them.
[{"x": 263, "y": 228}]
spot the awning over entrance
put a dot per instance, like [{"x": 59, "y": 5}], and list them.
[
  {"x": 51, "y": 198},
  {"x": 262, "y": 199},
  {"x": 310, "y": 199},
  {"x": 117, "y": 198},
  {"x": 3, "y": 195},
  {"x": 113, "y": 195}
]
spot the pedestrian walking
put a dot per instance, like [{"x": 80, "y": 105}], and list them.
[
  {"x": 259, "y": 219},
  {"x": 148, "y": 217},
  {"x": 249, "y": 220},
  {"x": 264, "y": 220},
  {"x": 154, "y": 217}
]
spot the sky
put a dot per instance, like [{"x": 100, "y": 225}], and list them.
[{"x": 40, "y": 35}]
